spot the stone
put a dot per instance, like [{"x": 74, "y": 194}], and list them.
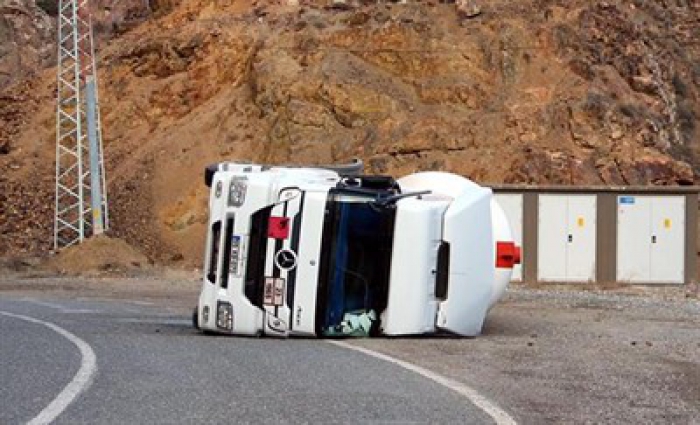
[
  {"x": 4, "y": 147},
  {"x": 468, "y": 8}
]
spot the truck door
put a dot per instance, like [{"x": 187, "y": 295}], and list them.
[{"x": 355, "y": 262}]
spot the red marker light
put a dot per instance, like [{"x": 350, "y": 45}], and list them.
[
  {"x": 507, "y": 255},
  {"x": 278, "y": 228}
]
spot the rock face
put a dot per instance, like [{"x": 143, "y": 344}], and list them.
[
  {"x": 528, "y": 91},
  {"x": 28, "y": 30},
  {"x": 26, "y": 40}
]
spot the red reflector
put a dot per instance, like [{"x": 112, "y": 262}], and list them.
[
  {"x": 518, "y": 257},
  {"x": 507, "y": 255},
  {"x": 278, "y": 228}
]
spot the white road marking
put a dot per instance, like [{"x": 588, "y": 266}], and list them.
[
  {"x": 499, "y": 415},
  {"x": 81, "y": 381},
  {"x": 59, "y": 307},
  {"x": 140, "y": 302},
  {"x": 81, "y": 311},
  {"x": 43, "y": 303},
  {"x": 166, "y": 322}
]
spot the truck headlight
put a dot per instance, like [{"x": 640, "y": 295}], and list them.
[
  {"x": 236, "y": 191},
  {"x": 224, "y": 315},
  {"x": 205, "y": 314}
]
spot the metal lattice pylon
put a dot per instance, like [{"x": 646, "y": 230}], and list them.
[{"x": 81, "y": 198}]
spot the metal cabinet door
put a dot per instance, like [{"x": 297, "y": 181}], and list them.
[
  {"x": 552, "y": 238},
  {"x": 668, "y": 239},
  {"x": 512, "y": 204},
  {"x": 634, "y": 238},
  {"x": 581, "y": 238}
]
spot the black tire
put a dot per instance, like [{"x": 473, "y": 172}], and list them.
[{"x": 195, "y": 318}]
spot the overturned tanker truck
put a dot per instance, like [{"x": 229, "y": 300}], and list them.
[{"x": 329, "y": 252}]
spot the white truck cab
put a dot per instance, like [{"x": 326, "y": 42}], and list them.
[{"x": 323, "y": 252}]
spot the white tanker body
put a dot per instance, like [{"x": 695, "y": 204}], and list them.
[{"x": 311, "y": 252}]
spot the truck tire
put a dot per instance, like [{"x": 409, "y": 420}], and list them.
[{"x": 195, "y": 318}]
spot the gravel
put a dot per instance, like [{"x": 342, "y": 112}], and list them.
[{"x": 576, "y": 356}]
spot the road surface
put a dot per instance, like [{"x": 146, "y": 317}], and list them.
[
  {"x": 150, "y": 366},
  {"x": 547, "y": 355}
]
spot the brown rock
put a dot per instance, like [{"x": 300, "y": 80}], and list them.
[
  {"x": 27, "y": 40},
  {"x": 468, "y": 8},
  {"x": 342, "y": 4},
  {"x": 656, "y": 170},
  {"x": 566, "y": 95}
]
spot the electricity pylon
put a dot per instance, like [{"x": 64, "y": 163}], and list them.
[{"x": 81, "y": 198}]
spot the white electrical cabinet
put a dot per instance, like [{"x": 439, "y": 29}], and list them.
[
  {"x": 566, "y": 238},
  {"x": 651, "y": 239},
  {"x": 512, "y": 204}
]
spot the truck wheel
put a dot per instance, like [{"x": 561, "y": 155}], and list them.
[{"x": 195, "y": 318}]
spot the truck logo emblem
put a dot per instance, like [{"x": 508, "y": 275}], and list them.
[{"x": 286, "y": 259}]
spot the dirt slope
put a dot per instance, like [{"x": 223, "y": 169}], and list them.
[{"x": 528, "y": 91}]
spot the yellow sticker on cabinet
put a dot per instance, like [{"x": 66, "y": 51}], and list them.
[
  {"x": 667, "y": 223},
  {"x": 581, "y": 222}
]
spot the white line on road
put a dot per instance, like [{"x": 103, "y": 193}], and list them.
[
  {"x": 43, "y": 303},
  {"x": 166, "y": 322},
  {"x": 498, "y": 414},
  {"x": 81, "y": 381},
  {"x": 59, "y": 307}
]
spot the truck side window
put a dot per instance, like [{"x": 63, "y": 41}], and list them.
[
  {"x": 214, "y": 251},
  {"x": 355, "y": 261}
]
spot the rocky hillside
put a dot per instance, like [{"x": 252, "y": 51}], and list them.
[
  {"x": 28, "y": 31},
  {"x": 26, "y": 40},
  {"x": 526, "y": 91}
]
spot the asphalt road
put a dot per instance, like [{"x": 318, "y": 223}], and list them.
[{"x": 153, "y": 367}]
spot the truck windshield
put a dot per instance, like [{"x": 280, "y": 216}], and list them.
[{"x": 355, "y": 263}]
